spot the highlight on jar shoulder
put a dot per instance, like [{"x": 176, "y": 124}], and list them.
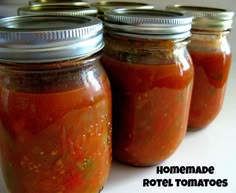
[
  {"x": 55, "y": 105},
  {"x": 151, "y": 75},
  {"x": 211, "y": 55}
]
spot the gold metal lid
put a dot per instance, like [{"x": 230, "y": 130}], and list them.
[
  {"x": 71, "y": 10},
  {"x": 58, "y": 2},
  {"x": 103, "y": 6},
  {"x": 206, "y": 18}
]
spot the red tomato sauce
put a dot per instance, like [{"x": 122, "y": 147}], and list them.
[
  {"x": 56, "y": 142},
  {"x": 150, "y": 109},
  {"x": 210, "y": 78}
]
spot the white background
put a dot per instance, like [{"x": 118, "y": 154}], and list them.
[{"x": 215, "y": 145}]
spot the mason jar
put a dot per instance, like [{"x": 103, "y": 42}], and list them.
[
  {"x": 59, "y": 9},
  {"x": 55, "y": 105},
  {"x": 151, "y": 75},
  {"x": 211, "y": 55}
]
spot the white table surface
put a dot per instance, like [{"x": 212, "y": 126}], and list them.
[{"x": 212, "y": 146}]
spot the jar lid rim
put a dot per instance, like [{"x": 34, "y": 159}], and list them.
[
  {"x": 50, "y": 38},
  {"x": 147, "y": 21},
  {"x": 73, "y": 27},
  {"x": 201, "y": 11},
  {"x": 60, "y": 9},
  {"x": 206, "y": 18},
  {"x": 103, "y": 6},
  {"x": 57, "y": 2}
]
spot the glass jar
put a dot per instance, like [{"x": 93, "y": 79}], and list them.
[
  {"x": 211, "y": 55},
  {"x": 55, "y": 105},
  {"x": 58, "y": 9},
  {"x": 151, "y": 76}
]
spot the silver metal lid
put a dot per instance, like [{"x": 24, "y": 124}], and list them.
[
  {"x": 157, "y": 24},
  {"x": 36, "y": 39},
  {"x": 206, "y": 18},
  {"x": 71, "y": 10},
  {"x": 58, "y": 2}
]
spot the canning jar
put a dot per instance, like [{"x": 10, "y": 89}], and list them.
[
  {"x": 211, "y": 55},
  {"x": 104, "y": 6},
  {"x": 59, "y": 9},
  {"x": 151, "y": 76},
  {"x": 55, "y": 105}
]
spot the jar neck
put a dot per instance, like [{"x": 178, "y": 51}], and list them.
[
  {"x": 209, "y": 40},
  {"x": 145, "y": 43},
  {"x": 207, "y": 33},
  {"x": 49, "y": 66},
  {"x": 144, "y": 51}
]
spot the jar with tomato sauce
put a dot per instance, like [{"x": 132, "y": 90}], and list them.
[
  {"x": 151, "y": 76},
  {"x": 211, "y": 55},
  {"x": 55, "y": 105}
]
